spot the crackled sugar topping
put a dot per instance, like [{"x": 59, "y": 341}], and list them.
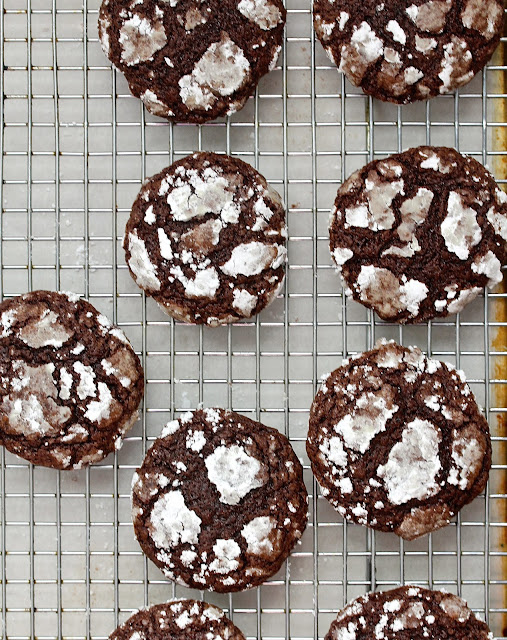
[
  {"x": 140, "y": 39},
  {"x": 389, "y": 294},
  {"x": 371, "y": 412},
  {"x": 407, "y": 612},
  {"x": 45, "y": 331},
  {"x": 402, "y": 52},
  {"x": 261, "y": 535},
  {"x": 208, "y": 229},
  {"x": 31, "y": 408},
  {"x": 162, "y": 45},
  {"x": 172, "y": 522},
  {"x": 460, "y": 229},
  {"x": 392, "y": 429},
  {"x": 413, "y": 463},
  {"x": 263, "y": 12},
  {"x": 222, "y": 70},
  {"x": 69, "y": 379},
  {"x": 233, "y": 472},
  {"x": 418, "y": 235},
  {"x": 219, "y": 501},
  {"x": 178, "y": 620}
]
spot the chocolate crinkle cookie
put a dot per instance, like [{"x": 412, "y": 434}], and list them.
[
  {"x": 419, "y": 234},
  {"x": 408, "y": 612},
  {"x": 192, "y": 60},
  {"x": 70, "y": 383},
  {"x": 178, "y": 620},
  {"x": 206, "y": 239},
  {"x": 406, "y": 50},
  {"x": 397, "y": 442},
  {"x": 219, "y": 501}
]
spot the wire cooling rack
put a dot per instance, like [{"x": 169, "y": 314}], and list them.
[{"x": 75, "y": 148}]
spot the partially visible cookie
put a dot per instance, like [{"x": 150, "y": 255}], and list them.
[
  {"x": 402, "y": 51},
  {"x": 178, "y": 620},
  {"x": 419, "y": 234},
  {"x": 192, "y": 60},
  {"x": 219, "y": 501},
  {"x": 70, "y": 382},
  {"x": 206, "y": 239},
  {"x": 408, "y": 612},
  {"x": 397, "y": 442}
]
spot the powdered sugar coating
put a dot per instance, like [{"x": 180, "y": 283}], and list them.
[
  {"x": 233, "y": 472},
  {"x": 466, "y": 456},
  {"x": 226, "y": 554},
  {"x": 70, "y": 383},
  {"x": 413, "y": 463},
  {"x": 473, "y": 16},
  {"x": 252, "y": 258},
  {"x": 392, "y": 296},
  {"x": 408, "y": 52},
  {"x": 223, "y": 69},
  {"x": 31, "y": 408},
  {"x": 425, "y": 244},
  {"x": 198, "y": 193},
  {"x": 219, "y": 501},
  {"x": 196, "y": 60},
  {"x": 259, "y": 534},
  {"x": 140, "y": 39},
  {"x": 460, "y": 229},
  {"x": 455, "y": 65},
  {"x": 490, "y": 266},
  {"x": 44, "y": 331},
  {"x": 99, "y": 410},
  {"x": 206, "y": 239},
  {"x": 140, "y": 264},
  {"x": 370, "y": 415},
  {"x": 244, "y": 302},
  {"x": 172, "y": 522},
  {"x": 397, "y": 442},
  {"x": 263, "y": 12}
]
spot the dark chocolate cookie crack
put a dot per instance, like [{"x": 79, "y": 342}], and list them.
[
  {"x": 412, "y": 50},
  {"x": 219, "y": 501},
  {"x": 397, "y": 442},
  {"x": 408, "y": 612},
  {"x": 192, "y": 60},
  {"x": 419, "y": 234},
  {"x": 70, "y": 382},
  {"x": 178, "y": 620},
  {"x": 206, "y": 240}
]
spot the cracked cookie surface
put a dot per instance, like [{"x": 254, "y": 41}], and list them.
[
  {"x": 408, "y": 612},
  {"x": 192, "y": 60},
  {"x": 178, "y": 620},
  {"x": 409, "y": 50},
  {"x": 206, "y": 239},
  {"x": 397, "y": 442},
  {"x": 419, "y": 234},
  {"x": 219, "y": 501},
  {"x": 70, "y": 382}
]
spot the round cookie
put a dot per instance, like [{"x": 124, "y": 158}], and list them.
[
  {"x": 192, "y": 60},
  {"x": 178, "y": 620},
  {"x": 219, "y": 501},
  {"x": 70, "y": 383},
  {"x": 419, "y": 234},
  {"x": 408, "y": 612},
  {"x": 396, "y": 441},
  {"x": 206, "y": 240},
  {"x": 402, "y": 51}
]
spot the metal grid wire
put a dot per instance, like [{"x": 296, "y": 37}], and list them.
[{"x": 75, "y": 148}]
